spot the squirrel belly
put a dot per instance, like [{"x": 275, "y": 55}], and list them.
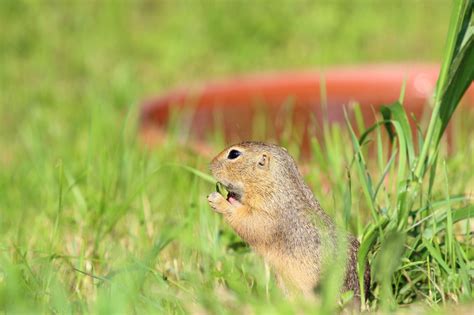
[{"x": 272, "y": 209}]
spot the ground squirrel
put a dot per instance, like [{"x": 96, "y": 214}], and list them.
[{"x": 271, "y": 208}]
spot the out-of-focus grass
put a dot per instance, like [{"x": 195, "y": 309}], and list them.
[{"x": 91, "y": 221}]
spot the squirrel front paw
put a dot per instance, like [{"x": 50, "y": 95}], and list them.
[{"x": 218, "y": 202}]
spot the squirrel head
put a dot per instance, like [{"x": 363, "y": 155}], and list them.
[{"x": 260, "y": 175}]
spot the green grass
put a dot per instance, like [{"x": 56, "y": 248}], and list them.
[{"x": 91, "y": 221}]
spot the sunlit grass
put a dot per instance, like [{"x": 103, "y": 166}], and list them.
[{"x": 129, "y": 228}]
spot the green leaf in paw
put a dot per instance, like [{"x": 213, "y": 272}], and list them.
[{"x": 221, "y": 189}]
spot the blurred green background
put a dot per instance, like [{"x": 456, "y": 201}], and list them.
[
  {"x": 79, "y": 197},
  {"x": 64, "y": 59}
]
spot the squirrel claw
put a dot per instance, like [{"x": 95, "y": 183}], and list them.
[{"x": 217, "y": 202}]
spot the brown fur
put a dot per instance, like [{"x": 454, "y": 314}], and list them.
[{"x": 279, "y": 217}]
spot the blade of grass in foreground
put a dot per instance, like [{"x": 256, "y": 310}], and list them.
[
  {"x": 396, "y": 112},
  {"x": 206, "y": 177},
  {"x": 362, "y": 170},
  {"x": 449, "y": 223},
  {"x": 452, "y": 82}
]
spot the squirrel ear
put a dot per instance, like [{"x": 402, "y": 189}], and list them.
[{"x": 264, "y": 160}]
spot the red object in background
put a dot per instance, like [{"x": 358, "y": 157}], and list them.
[{"x": 237, "y": 100}]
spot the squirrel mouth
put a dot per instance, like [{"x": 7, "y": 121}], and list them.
[
  {"x": 231, "y": 193},
  {"x": 233, "y": 196}
]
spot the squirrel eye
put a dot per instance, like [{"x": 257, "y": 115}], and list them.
[{"x": 233, "y": 154}]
